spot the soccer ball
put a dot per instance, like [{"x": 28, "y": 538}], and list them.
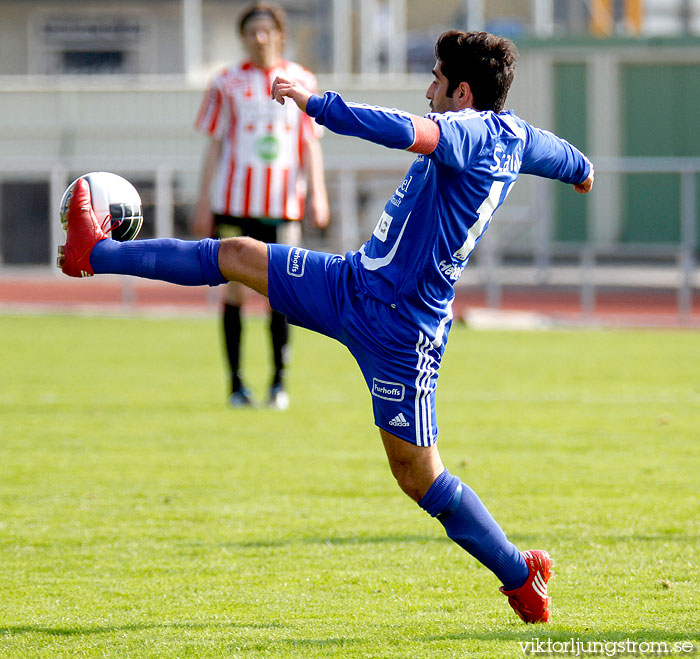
[{"x": 114, "y": 197}]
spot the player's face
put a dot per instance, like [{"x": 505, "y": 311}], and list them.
[
  {"x": 263, "y": 41},
  {"x": 437, "y": 92}
]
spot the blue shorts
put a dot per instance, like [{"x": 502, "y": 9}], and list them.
[{"x": 399, "y": 363}]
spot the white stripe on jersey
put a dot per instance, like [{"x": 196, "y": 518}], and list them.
[
  {"x": 518, "y": 131},
  {"x": 237, "y": 192},
  {"x": 276, "y": 192},
  {"x": 403, "y": 113},
  {"x": 420, "y": 422},
  {"x": 440, "y": 333},
  {"x": 256, "y": 206},
  {"x": 423, "y": 410},
  {"x": 461, "y": 115},
  {"x": 485, "y": 211},
  {"x": 293, "y": 208},
  {"x": 379, "y": 262}
]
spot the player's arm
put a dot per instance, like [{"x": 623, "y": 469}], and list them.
[
  {"x": 202, "y": 221},
  {"x": 587, "y": 185},
  {"x": 550, "y": 156},
  {"x": 211, "y": 121},
  {"x": 391, "y": 128},
  {"x": 318, "y": 210}
]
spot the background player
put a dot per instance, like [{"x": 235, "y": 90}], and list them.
[
  {"x": 390, "y": 302},
  {"x": 255, "y": 175}
]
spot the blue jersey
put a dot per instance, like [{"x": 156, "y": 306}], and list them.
[{"x": 437, "y": 215}]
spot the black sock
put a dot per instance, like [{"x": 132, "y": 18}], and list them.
[
  {"x": 279, "y": 330},
  {"x": 232, "y": 338}
]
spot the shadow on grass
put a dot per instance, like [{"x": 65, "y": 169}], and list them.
[
  {"x": 134, "y": 627},
  {"x": 68, "y": 632},
  {"x": 520, "y": 638},
  {"x": 544, "y": 633},
  {"x": 326, "y": 540},
  {"x": 519, "y": 539},
  {"x": 546, "y": 538}
]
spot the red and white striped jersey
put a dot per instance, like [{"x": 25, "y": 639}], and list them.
[{"x": 261, "y": 170}]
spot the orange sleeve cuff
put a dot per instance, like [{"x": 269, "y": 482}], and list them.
[{"x": 427, "y": 135}]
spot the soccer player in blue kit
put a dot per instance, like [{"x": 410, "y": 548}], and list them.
[{"x": 390, "y": 302}]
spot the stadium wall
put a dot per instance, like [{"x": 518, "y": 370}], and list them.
[{"x": 613, "y": 98}]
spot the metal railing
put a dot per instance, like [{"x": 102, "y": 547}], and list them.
[{"x": 352, "y": 186}]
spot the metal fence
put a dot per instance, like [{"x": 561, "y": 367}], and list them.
[
  {"x": 357, "y": 195},
  {"x": 590, "y": 266}
]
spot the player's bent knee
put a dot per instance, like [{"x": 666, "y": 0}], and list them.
[
  {"x": 241, "y": 248},
  {"x": 414, "y": 467},
  {"x": 244, "y": 260},
  {"x": 409, "y": 486},
  {"x": 410, "y": 479}
]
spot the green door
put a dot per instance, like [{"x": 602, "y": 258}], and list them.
[
  {"x": 659, "y": 118},
  {"x": 570, "y": 123}
]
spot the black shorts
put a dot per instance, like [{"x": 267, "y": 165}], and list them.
[{"x": 266, "y": 231}]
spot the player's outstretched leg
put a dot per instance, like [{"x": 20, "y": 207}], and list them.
[{"x": 89, "y": 250}]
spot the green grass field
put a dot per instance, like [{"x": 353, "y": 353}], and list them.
[{"x": 139, "y": 517}]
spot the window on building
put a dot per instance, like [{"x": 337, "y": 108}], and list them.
[
  {"x": 92, "y": 62},
  {"x": 94, "y": 43}
]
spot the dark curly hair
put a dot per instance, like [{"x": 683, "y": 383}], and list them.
[
  {"x": 270, "y": 9},
  {"x": 484, "y": 61}
]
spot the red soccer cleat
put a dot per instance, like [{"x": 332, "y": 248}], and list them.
[
  {"x": 83, "y": 232},
  {"x": 531, "y": 601}
]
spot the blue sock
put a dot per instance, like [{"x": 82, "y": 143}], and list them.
[
  {"x": 471, "y": 526},
  {"x": 188, "y": 263}
]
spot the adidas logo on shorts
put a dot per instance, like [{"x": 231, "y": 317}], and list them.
[{"x": 399, "y": 420}]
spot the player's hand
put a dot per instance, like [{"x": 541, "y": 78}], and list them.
[
  {"x": 283, "y": 88},
  {"x": 202, "y": 221},
  {"x": 318, "y": 211},
  {"x": 586, "y": 186}
]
